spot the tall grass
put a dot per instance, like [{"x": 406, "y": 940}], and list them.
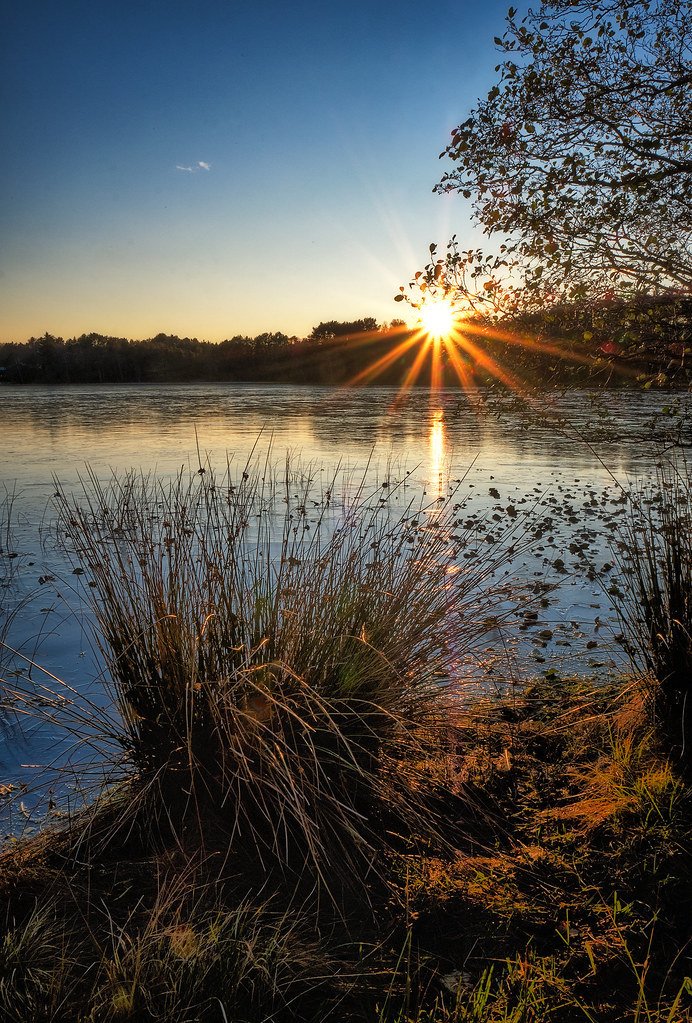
[
  {"x": 10, "y": 605},
  {"x": 655, "y": 609},
  {"x": 283, "y": 659}
]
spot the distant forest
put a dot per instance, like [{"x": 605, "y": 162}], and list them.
[{"x": 647, "y": 342}]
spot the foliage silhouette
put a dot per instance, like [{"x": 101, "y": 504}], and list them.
[{"x": 580, "y": 156}]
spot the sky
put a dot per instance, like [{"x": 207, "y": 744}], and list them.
[{"x": 217, "y": 168}]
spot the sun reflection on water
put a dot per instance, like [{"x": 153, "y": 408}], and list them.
[{"x": 438, "y": 452}]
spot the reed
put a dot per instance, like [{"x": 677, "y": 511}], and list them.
[
  {"x": 283, "y": 654},
  {"x": 11, "y": 602},
  {"x": 655, "y": 608}
]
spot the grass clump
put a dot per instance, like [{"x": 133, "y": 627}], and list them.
[
  {"x": 655, "y": 553},
  {"x": 280, "y": 664}
]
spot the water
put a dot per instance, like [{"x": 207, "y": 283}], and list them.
[{"x": 555, "y": 465}]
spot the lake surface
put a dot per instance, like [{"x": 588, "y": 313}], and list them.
[{"x": 561, "y": 462}]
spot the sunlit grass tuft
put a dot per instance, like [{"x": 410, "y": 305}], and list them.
[{"x": 282, "y": 655}]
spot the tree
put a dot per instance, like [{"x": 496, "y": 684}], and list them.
[
  {"x": 581, "y": 155},
  {"x": 269, "y": 341},
  {"x": 330, "y": 329}
]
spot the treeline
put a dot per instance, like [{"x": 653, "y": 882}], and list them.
[
  {"x": 99, "y": 358},
  {"x": 647, "y": 341},
  {"x": 332, "y": 351}
]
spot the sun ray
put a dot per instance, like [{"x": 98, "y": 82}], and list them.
[
  {"x": 542, "y": 347},
  {"x": 444, "y": 342},
  {"x": 414, "y": 372},
  {"x": 383, "y": 363},
  {"x": 487, "y": 362},
  {"x": 524, "y": 341},
  {"x": 463, "y": 373},
  {"x": 436, "y": 367}
]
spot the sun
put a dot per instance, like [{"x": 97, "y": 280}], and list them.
[
  {"x": 450, "y": 342},
  {"x": 438, "y": 318}
]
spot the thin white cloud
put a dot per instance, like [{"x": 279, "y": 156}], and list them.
[{"x": 200, "y": 165}]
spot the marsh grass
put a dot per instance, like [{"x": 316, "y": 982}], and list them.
[
  {"x": 655, "y": 606},
  {"x": 282, "y": 654},
  {"x": 533, "y": 989},
  {"x": 10, "y": 562},
  {"x": 34, "y": 966},
  {"x": 576, "y": 907},
  {"x": 579, "y": 910}
]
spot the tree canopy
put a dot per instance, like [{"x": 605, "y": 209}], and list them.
[
  {"x": 580, "y": 156},
  {"x": 329, "y": 329}
]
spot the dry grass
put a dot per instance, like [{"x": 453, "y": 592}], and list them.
[
  {"x": 182, "y": 958},
  {"x": 282, "y": 654},
  {"x": 574, "y": 907},
  {"x": 578, "y": 909}
]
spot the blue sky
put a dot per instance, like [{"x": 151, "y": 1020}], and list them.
[{"x": 214, "y": 168}]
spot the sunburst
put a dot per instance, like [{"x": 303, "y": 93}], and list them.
[{"x": 449, "y": 342}]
